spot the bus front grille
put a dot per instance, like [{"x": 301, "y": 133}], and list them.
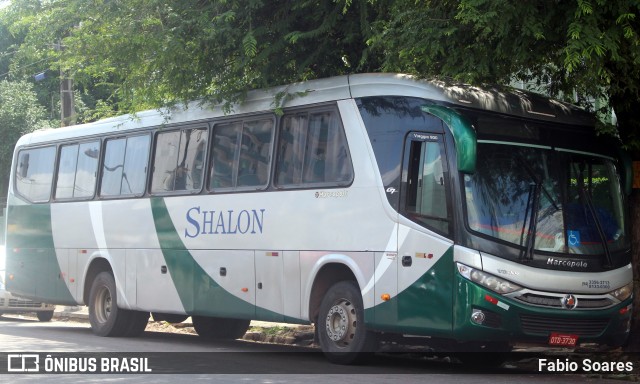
[
  {"x": 544, "y": 325},
  {"x": 584, "y": 302}
]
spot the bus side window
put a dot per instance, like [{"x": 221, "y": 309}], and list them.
[
  {"x": 66, "y": 171},
  {"x": 178, "y": 160},
  {"x": 255, "y": 153},
  {"x": 35, "y": 173},
  {"x": 125, "y": 166},
  {"x": 166, "y": 159},
  {"x": 241, "y": 155},
  {"x": 291, "y": 150},
  {"x": 77, "y": 168},
  {"x": 87, "y": 169},
  {"x": 313, "y": 150},
  {"x": 225, "y": 142}
]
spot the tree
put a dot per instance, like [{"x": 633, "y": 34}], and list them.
[
  {"x": 586, "y": 49},
  {"x": 150, "y": 53},
  {"x": 19, "y": 113}
]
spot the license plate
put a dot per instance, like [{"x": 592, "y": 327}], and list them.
[{"x": 563, "y": 339}]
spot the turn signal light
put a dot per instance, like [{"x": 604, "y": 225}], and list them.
[{"x": 385, "y": 297}]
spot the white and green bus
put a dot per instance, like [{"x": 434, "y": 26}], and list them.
[{"x": 375, "y": 206}]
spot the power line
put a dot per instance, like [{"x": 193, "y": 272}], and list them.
[{"x": 24, "y": 66}]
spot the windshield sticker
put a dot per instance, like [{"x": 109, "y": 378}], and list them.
[{"x": 573, "y": 238}]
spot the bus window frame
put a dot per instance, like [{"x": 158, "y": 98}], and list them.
[
  {"x": 332, "y": 107},
  {"x": 157, "y": 131},
  {"x": 56, "y": 175},
  {"x": 53, "y": 174},
  {"x": 105, "y": 140},
  {"x": 209, "y": 155}
]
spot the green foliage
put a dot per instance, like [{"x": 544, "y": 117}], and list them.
[
  {"x": 585, "y": 48},
  {"x": 149, "y": 53},
  {"x": 19, "y": 113}
]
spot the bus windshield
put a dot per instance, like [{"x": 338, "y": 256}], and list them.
[{"x": 545, "y": 199}]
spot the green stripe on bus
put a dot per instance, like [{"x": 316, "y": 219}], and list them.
[
  {"x": 31, "y": 256},
  {"x": 199, "y": 293},
  {"x": 425, "y": 307}
]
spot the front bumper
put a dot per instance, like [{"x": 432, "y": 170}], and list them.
[{"x": 481, "y": 315}]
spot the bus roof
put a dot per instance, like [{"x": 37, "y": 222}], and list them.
[{"x": 502, "y": 100}]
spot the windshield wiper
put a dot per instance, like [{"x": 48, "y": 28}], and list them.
[
  {"x": 533, "y": 205},
  {"x": 596, "y": 220},
  {"x": 536, "y": 188},
  {"x": 538, "y": 181}
]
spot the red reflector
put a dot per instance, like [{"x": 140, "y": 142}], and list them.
[
  {"x": 490, "y": 299},
  {"x": 624, "y": 310}
]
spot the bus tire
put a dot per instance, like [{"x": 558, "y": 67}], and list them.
[
  {"x": 341, "y": 331},
  {"x": 45, "y": 315},
  {"x": 169, "y": 317},
  {"x": 138, "y": 324},
  {"x": 104, "y": 315},
  {"x": 220, "y": 328}
]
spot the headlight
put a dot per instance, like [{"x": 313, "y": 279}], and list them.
[
  {"x": 623, "y": 293},
  {"x": 487, "y": 280}
]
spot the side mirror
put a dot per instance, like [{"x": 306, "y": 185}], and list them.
[{"x": 463, "y": 134}]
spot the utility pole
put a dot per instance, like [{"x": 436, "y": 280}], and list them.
[{"x": 67, "y": 102}]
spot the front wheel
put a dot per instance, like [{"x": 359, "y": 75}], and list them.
[{"x": 340, "y": 326}]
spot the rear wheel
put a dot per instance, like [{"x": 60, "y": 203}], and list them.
[
  {"x": 139, "y": 321},
  {"x": 104, "y": 315},
  {"x": 45, "y": 316},
  {"x": 341, "y": 331},
  {"x": 169, "y": 317},
  {"x": 220, "y": 328}
]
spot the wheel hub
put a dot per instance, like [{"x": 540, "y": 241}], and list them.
[
  {"x": 341, "y": 322},
  {"x": 103, "y": 305}
]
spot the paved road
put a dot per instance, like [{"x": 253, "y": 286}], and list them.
[{"x": 231, "y": 361}]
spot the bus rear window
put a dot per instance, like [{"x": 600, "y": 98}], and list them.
[{"x": 35, "y": 172}]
